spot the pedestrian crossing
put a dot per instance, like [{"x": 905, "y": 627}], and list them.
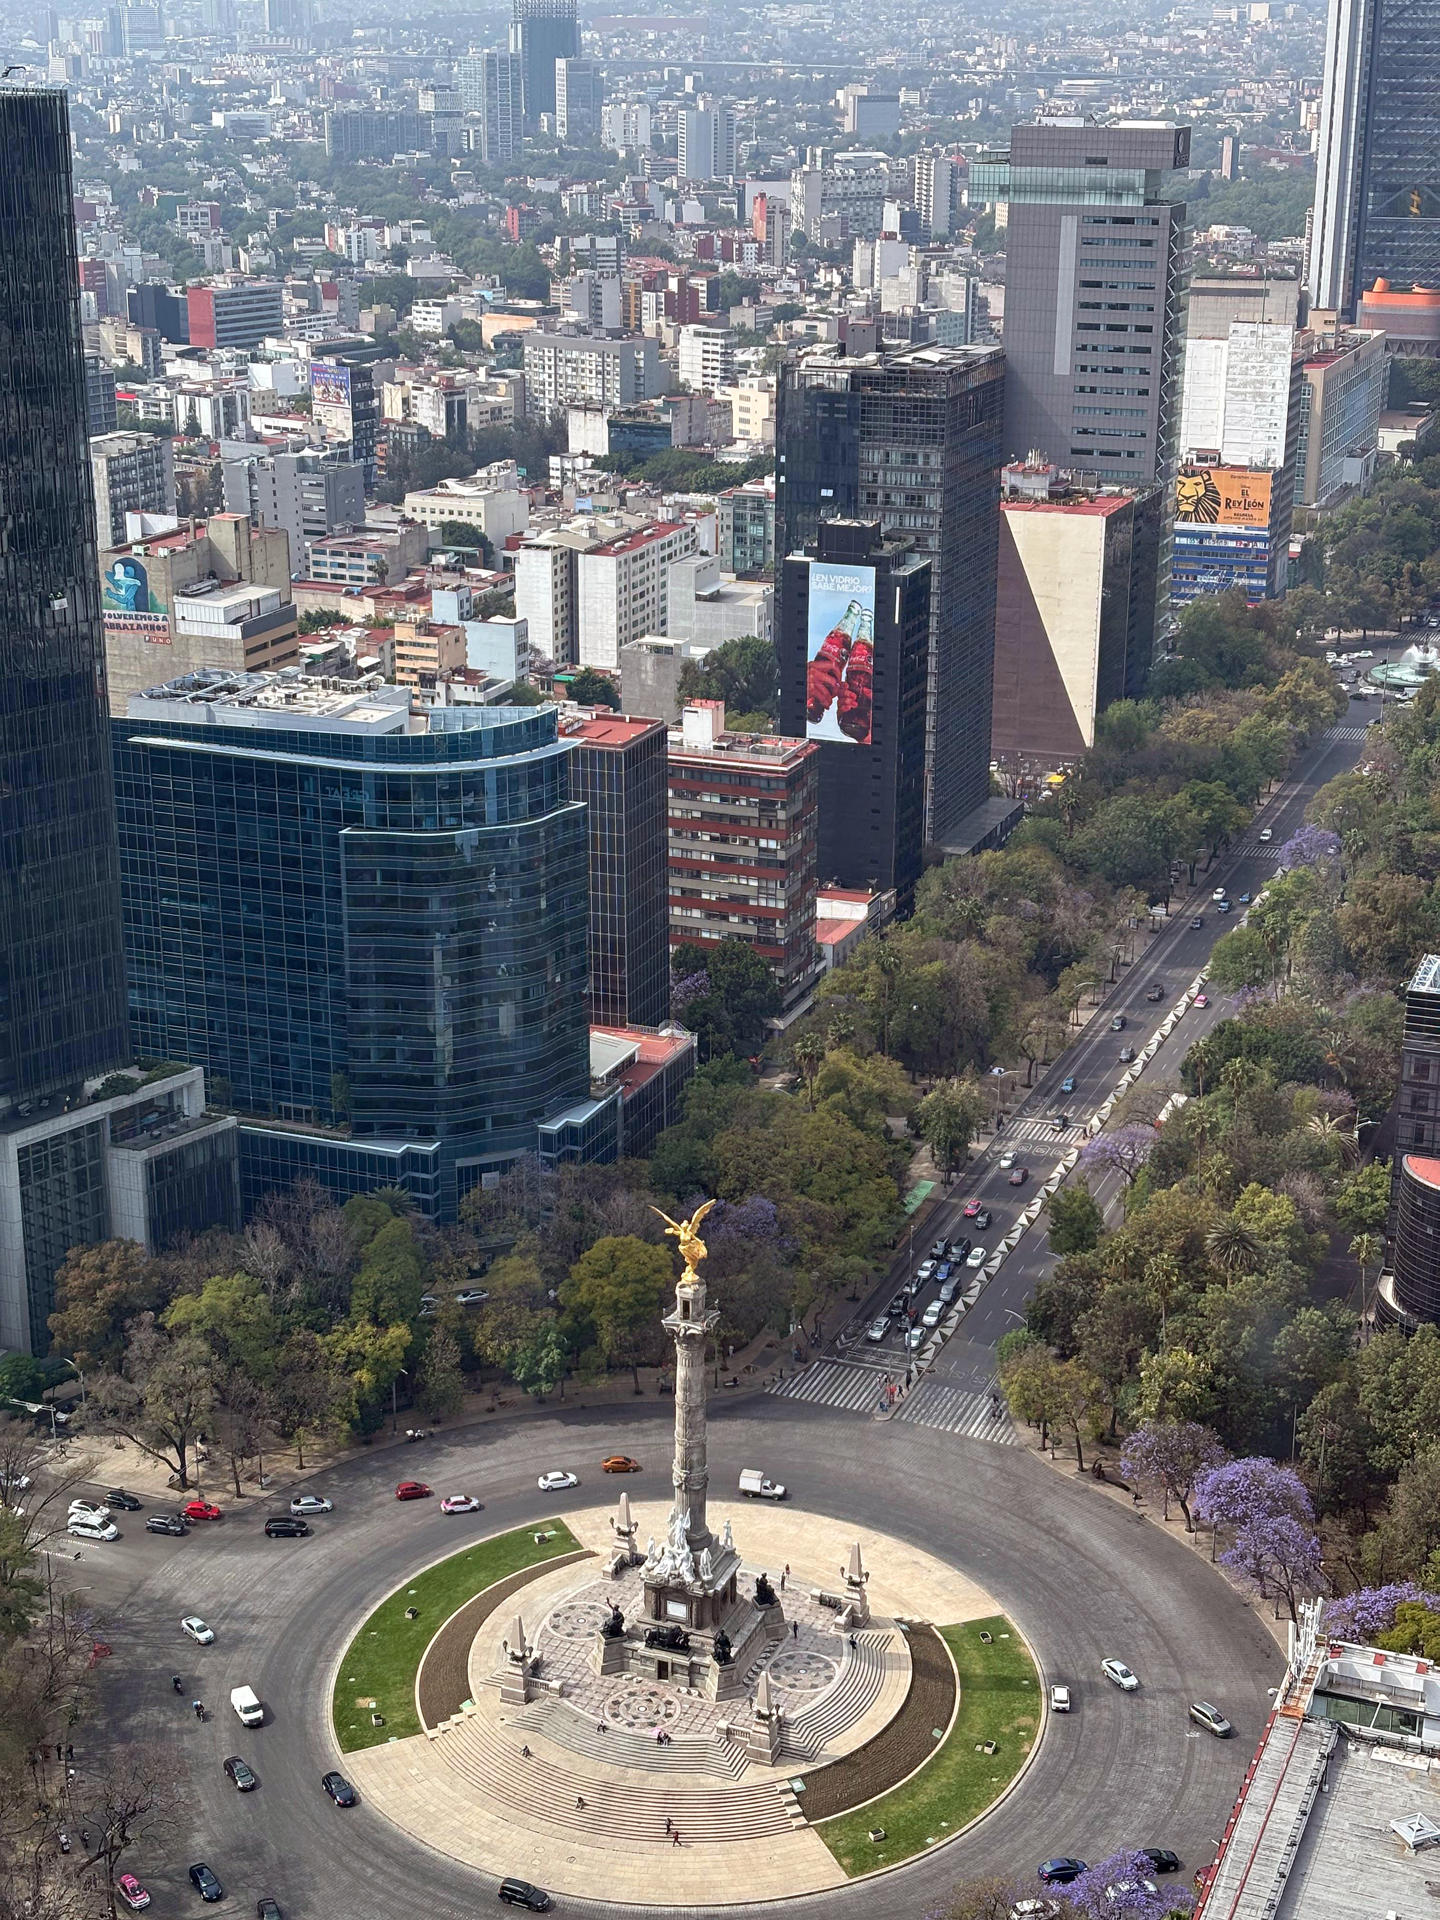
[
  {"x": 978, "y": 1416},
  {"x": 844, "y": 1384},
  {"x": 1346, "y": 733},
  {"x": 1257, "y": 850},
  {"x": 1044, "y": 1131}
]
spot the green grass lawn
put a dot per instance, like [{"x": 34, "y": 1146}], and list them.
[
  {"x": 383, "y": 1659},
  {"x": 999, "y": 1701}
]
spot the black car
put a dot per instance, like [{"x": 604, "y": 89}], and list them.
[
  {"x": 1161, "y": 1859},
  {"x": 1060, "y": 1871},
  {"x": 1155, "y": 992},
  {"x": 118, "y": 1497},
  {"x": 285, "y": 1526},
  {"x": 520, "y": 1893},
  {"x": 898, "y": 1305},
  {"x": 982, "y": 1220},
  {"x": 340, "y": 1790},
  {"x": 166, "y": 1523},
  {"x": 1198, "y": 921},
  {"x": 206, "y": 1882},
  {"x": 672, "y": 1639},
  {"x": 242, "y": 1777},
  {"x": 268, "y": 1909}
]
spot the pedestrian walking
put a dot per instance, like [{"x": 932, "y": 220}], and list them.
[
  {"x": 524, "y": 1753},
  {"x": 579, "y": 1800},
  {"x": 795, "y": 1629},
  {"x": 674, "y": 1836},
  {"x": 667, "y": 1823},
  {"x": 782, "y": 1579}
]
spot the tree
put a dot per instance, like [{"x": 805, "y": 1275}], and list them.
[
  {"x": 163, "y": 1395},
  {"x": 1232, "y": 1246},
  {"x": 1173, "y": 1455},
  {"x": 619, "y": 1287},
  {"x": 744, "y": 673},
  {"x": 392, "y": 1276},
  {"x": 310, "y": 1398},
  {"x": 1241, "y": 959},
  {"x": 1126, "y": 1149},
  {"x": 1076, "y": 1220},
  {"x": 1122, "y": 1887},
  {"x": 136, "y": 1797},
  {"x": 592, "y": 689},
  {"x": 1273, "y": 1544},
  {"x": 741, "y": 994},
  {"x": 539, "y": 1366},
  {"x": 20, "y": 1589},
  {"x": 98, "y": 1291},
  {"x": 441, "y": 1386},
  {"x": 948, "y": 1119},
  {"x": 21, "y": 1377}
]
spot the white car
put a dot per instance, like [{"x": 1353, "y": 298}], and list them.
[
  {"x": 557, "y": 1482},
  {"x": 933, "y": 1314},
  {"x": 195, "y": 1629},
  {"x": 915, "y": 1339},
  {"x": 84, "y": 1528},
  {"x": 877, "y": 1330},
  {"x": 976, "y": 1257},
  {"x": 1120, "y": 1674},
  {"x": 1365, "y": 653},
  {"x": 307, "y": 1503},
  {"x": 926, "y": 1269},
  {"x": 1220, "y": 893},
  {"x": 1007, "y": 1159},
  {"x": 460, "y": 1503},
  {"x": 89, "y": 1510},
  {"x": 472, "y": 1297},
  {"x": 1059, "y": 1699},
  {"x": 1267, "y": 834}
]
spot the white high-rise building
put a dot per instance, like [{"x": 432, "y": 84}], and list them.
[
  {"x": 706, "y": 141},
  {"x": 625, "y": 125},
  {"x": 706, "y": 358},
  {"x": 1237, "y": 397},
  {"x": 935, "y": 192},
  {"x": 492, "y": 85},
  {"x": 623, "y": 589}
]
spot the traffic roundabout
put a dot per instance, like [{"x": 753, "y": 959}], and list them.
[{"x": 1081, "y": 1578}]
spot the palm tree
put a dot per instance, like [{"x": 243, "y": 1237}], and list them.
[
  {"x": 1233, "y": 1247},
  {"x": 1162, "y": 1276},
  {"x": 1366, "y": 1250},
  {"x": 1337, "y": 1133},
  {"x": 809, "y": 1051}
]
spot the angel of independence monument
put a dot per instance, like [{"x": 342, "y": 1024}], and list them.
[{"x": 699, "y": 1629}]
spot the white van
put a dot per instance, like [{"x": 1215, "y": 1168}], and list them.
[
  {"x": 755, "y": 1486},
  {"x": 246, "y": 1703},
  {"x": 84, "y": 1527}
]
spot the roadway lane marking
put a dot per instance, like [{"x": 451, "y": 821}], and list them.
[
  {"x": 951, "y": 1410},
  {"x": 833, "y": 1383}
]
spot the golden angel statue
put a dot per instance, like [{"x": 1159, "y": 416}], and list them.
[{"x": 692, "y": 1247}]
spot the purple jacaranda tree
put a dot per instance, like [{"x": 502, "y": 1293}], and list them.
[
  {"x": 1172, "y": 1455},
  {"x": 1125, "y": 1148},
  {"x": 1362, "y": 1616},
  {"x": 687, "y": 989},
  {"x": 1307, "y": 847},
  {"x": 1123, "y": 1886},
  {"x": 1268, "y": 1512},
  {"x": 755, "y": 1219}
]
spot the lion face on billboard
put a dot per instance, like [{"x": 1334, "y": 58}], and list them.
[{"x": 1196, "y": 495}]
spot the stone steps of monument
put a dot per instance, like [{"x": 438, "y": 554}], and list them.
[
  {"x": 491, "y": 1762},
  {"x": 853, "y": 1694},
  {"x": 560, "y": 1722}
]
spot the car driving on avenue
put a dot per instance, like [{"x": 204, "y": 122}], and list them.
[{"x": 1117, "y": 1672}]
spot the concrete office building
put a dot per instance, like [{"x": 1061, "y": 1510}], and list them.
[
  {"x": 839, "y": 197},
  {"x": 1377, "y": 184},
  {"x": 1094, "y": 292},
  {"x": 1409, "y": 1288},
  {"x": 914, "y": 438},
  {"x": 935, "y": 181},
  {"x": 747, "y": 528},
  {"x": 132, "y": 473},
  {"x": 706, "y": 136},
  {"x": 307, "y": 495},
  {"x": 344, "y": 404},
  {"x": 234, "y": 313},
  {"x": 1344, "y": 376},
  {"x": 102, "y": 411},
  {"x": 650, "y": 671},
  {"x": 625, "y": 126},
  {"x": 204, "y": 594},
  {"x": 565, "y": 370},
  {"x": 872, "y": 763},
  {"x": 623, "y": 589},
  {"x": 577, "y": 103},
  {"x": 868, "y": 115},
  {"x": 542, "y": 32},
  {"x": 706, "y": 358},
  {"x": 744, "y": 839},
  {"x": 705, "y": 606},
  {"x": 618, "y": 768},
  {"x": 1074, "y": 614},
  {"x": 346, "y": 856},
  {"x": 547, "y": 592},
  {"x": 492, "y": 85},
  {"x": 359, "y": 133}
]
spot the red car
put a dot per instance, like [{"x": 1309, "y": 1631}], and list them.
[
  {"x": 972, "y": 1207},
  {"x": 132, "y": 1893},
  {"x": 200, "y": 1510},
  {"x": 1202, "y": 1000},
  {"x": 412, "y": 1490}
]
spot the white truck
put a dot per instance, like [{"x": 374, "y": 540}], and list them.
[
  {"x": 755, "y": 1486},
  {"x": 247, "y": 1706}
]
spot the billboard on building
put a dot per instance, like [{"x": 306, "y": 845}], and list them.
[
  {"x": 1223, "y": 496},
  {"x": 329, "y": 386},
  {"x": 840, "y": 654},
  {"x": 125, "y": 588}
]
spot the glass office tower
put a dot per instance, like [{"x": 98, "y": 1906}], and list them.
[
  {"x": 62, "y": 988},
  {"x": 1377, "y": 184},
  {"x": 372, "y": 924},
  {"x": 542, "y": 32}
]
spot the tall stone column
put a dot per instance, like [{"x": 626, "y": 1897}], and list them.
[{"x": 689, "y": 1326}]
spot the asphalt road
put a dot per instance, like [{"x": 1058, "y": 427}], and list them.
[
  {"x": 1083, "y": 1576},
  {"x": 1173, "y": 957}
]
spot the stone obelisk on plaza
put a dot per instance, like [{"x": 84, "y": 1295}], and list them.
[{"x": 689, "y": 1326}]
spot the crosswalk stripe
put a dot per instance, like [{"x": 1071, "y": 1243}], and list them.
[
  {"x": 1258, "y": 850},
  {"x": 951, "y": 1410},
  {"x": 1041, "y": 1130},
  {"x": 831, "y": 1383},
  {"x": 1346, "y": 733}
]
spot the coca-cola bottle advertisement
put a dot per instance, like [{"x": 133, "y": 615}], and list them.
[{"x": 840, "y": 651}]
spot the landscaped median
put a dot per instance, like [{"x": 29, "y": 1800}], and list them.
[
  {"x": 999, "y": 1705},
  {"x": 377, "y": 1675}
]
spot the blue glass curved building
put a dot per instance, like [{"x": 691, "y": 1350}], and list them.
[{"x": 371, "y": 925}]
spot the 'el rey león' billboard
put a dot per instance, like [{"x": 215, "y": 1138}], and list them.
[
  {"x": 840, "y": 654},
  {"x": 1223, "y": 497}
]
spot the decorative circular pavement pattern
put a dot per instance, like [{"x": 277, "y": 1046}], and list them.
[
  {"x": 802, "y": 1670},
  {"x": 642, "y": 1705}
]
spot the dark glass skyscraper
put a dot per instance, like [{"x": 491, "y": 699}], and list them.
[
  {"x": 369, "y": 923},
  {"x": 912, "y": 439},
  {"x": 62, "y": 986},
  {"x": 542, "y": 32},
  {"x": 1377, "y": 183}
]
